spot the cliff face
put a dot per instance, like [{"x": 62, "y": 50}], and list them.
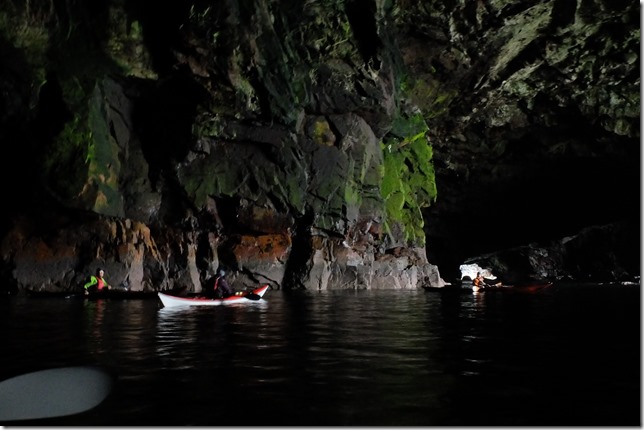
[
  {"x": 326, "y": 144},
  {"x": 537, "y": 133}
]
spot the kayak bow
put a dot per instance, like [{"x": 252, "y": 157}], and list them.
[{"x": 53, "y": 393}]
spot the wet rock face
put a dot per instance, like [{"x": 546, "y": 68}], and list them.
[
  {"x": 257, "y": 138},
  {"x": 536, "y": 120}
]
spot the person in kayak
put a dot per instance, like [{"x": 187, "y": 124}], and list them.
[
  {"x": 97, "y": 283},
  {"x": 221, "y": 287},
  {"x": 479, "y": 282}
]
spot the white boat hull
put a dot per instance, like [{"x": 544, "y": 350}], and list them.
[{"x": 174, "y": 301}]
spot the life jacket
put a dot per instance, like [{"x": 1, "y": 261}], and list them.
[{"x": 95, "y": 280}]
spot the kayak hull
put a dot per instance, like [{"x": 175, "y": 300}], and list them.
[
  {"x": 170, "y": 301},
  {"x": 526, "y": 289},
  {"x": 531, "y": 288},
  {"x": 116, "y": 294}
]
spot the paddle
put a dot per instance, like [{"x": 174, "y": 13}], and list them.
[
  {"x": 53, "y": 392},
  {"x": 252, "y": 296}
]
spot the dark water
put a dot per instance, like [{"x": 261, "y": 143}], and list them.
[{"x": 570, "y": 356}]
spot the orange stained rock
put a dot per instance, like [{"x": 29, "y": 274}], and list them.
[{"x": 265, "y": 247}]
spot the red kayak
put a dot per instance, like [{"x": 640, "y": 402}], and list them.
[
  {"x": 245, "y": 297},
  {"x": 530, "y": 288}
]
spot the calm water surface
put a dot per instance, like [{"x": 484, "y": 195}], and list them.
[{"x": 569, "y": 356}]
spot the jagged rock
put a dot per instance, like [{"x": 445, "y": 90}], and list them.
[
  {"x": 282, "y": 124},
  {"x": 535, "y": 118},
  {"x": 596, "y": 254}
]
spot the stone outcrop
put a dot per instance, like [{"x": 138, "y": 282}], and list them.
[{"x": 596, "y": 254}]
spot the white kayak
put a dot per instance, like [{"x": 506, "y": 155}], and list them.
[{"x": 248, "y": 296}]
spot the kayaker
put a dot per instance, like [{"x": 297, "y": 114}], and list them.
[
  {"x": 479, "y": 282},
  {"x": 97, "y": 283},
  {"x": 221, "y": 287}
]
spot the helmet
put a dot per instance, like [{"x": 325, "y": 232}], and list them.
[{"x": 221, "y": 272}]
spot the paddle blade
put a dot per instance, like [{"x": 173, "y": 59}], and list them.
[
  {"x": 252, "y": 296},
  {"x": 53, "y": 393}
]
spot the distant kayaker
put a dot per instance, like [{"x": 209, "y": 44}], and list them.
[
  {"x": 478, "y": 282},
  {"x": 97, "y": 283},
  {"x": 221, "y": 287}
]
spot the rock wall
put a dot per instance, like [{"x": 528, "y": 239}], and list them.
[
  {"x": 534, "y": 121},
  {"x": 310, "y": 144}
]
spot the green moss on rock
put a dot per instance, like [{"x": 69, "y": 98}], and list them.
[
  {"x": 409, "y": 182},
  {"x": 429, "y": 95},
  {"x": 67, "y": 154}
]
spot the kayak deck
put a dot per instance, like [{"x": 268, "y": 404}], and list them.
[
  {"x": 530, "y": 288},
  {"x": 249, "y": 296},
  {"x": 114, "y": 293}
]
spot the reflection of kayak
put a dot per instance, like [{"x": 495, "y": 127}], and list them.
[{"x": 247, "y": 296}]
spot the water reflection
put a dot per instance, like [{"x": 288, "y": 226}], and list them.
[
  {"x": 346, "y": 358},
  {"x": 312, "y": 352}
]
